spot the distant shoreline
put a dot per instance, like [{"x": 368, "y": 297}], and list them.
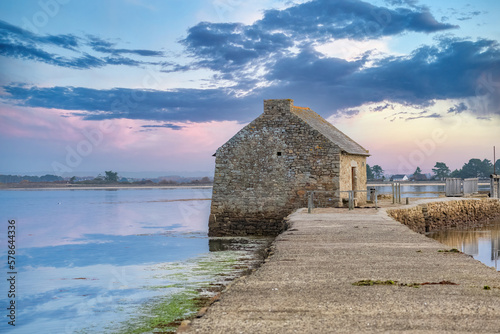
[
  {"x": 44, "y": 186},
  {"x": 64, "y": 186}
]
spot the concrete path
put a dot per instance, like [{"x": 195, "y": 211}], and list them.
[{"x": 306, "y": 285}]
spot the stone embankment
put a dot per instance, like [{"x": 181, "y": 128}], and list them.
[{"x": 443, "y": 215}]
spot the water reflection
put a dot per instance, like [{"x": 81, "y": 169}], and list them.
[
  {"x": 482, "y": 243},
  {"x": 63, "y": 217},
  {"x": 87, "y": 258}
]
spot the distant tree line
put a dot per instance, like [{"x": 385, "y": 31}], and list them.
[
  {"x": 374, "y": 173},
  {"x": 472, "y": 169},
  {"x": 27, "y": 178},
  {"x": 111, "y": 177},
  {"x": 476, "y": 168}
]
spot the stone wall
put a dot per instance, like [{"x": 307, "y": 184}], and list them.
[
  {"x": 347, "y": 162},
  {"x": 263, "y": 173},
  {"x": 443, "y": 215}
]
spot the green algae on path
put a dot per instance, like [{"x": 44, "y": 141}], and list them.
[
  {"x": 164, "y": 316},
  {"x": 190, "y": 286},
  {"x": 453, "y": 250},
  {"x": 369, "y": 282}
]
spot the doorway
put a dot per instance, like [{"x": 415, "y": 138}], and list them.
[
  {"x": 353, "y": 178},
  {"x": 354, "y": 184}
]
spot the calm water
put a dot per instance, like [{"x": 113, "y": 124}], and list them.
[
  {"x": 409, "y": 190},
  {"x": 482, "y": 243},
  {"x": 88, "y": 261}
]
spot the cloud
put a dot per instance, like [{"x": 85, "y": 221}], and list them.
[
  {"x": 411, "y": 3},
  {"x": 103, "y": 46},
  {"x": 195, "y": 105},
  {"x": 165, "y": 125},
  {"x": 225, "y": 47},
  {"x": 458, "y": 108},
  {"x": 434, "y": 115},
  {"x": 469, "y": 15},
  {"x": 352, "y": 19},
  {"x": 9, "y": 32},
  {"x": 453, "y": 69},
  {"x": 382, "y": 107},
  {"x": 19, "y": 43},
  {"x": 349, "y": 113},
  {"x": 310, "y": 65},
  {"x": 30, "y": 52}
]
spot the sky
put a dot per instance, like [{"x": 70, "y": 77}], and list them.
[{"x": 159, "y": 85}]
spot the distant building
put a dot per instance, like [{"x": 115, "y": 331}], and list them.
[
  {"x": 264, "y": 171},
  {"x": 419, "y": 177},
  {"x": 399, "y": 178}
]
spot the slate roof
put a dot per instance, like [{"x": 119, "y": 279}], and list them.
[{"x": 329, "y": 131}]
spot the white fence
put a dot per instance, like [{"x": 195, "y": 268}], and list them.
[
  {"x": 495, "y": 186},
  {"x": 470, "y": 186},
  {"x": 458, "y": 187},
  {"x": 453, "y": 187}
]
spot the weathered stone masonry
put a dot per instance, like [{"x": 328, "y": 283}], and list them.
[
  {"x": 438, "y": 216},
  {"x": 263, "y": 173}
]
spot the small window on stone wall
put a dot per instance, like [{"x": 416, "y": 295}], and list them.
[{"x": 278, "y": 154}]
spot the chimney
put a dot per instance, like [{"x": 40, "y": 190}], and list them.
[{"x": 278, "y": 107}]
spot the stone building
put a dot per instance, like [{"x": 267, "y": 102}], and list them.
[{"x": 263, "y": 172}]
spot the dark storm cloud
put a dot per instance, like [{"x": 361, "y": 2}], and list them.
[
  {"x": 18, "y": 43},
  {"x": 454, "y": 69},
  {"x": 226, "y": 46},
  {"x": 311, "y": 66},
  {"x": 223, "y": 46},
  {"x": 196, "y": 105},
  {"x": 451, "y": 70},
  {"x": 352, "y": 19}
]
